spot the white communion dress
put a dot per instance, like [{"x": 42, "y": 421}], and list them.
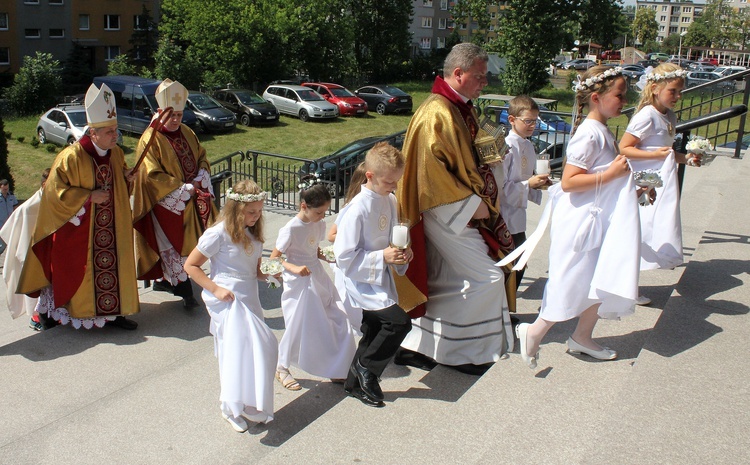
[
  {"x": 246, "y": 348},
  {"x": 318, "y": 337}
]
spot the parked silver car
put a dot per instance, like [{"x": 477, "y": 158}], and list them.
[
  {"x": 300, "y": 101},
  {"x": 696, "y": 78},
  {"x": 64, "y": 124}
]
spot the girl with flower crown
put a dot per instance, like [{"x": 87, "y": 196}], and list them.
[
  {"x": 593, "y": 256},
  {"x": 647, "y": 143},
  {"x": 246, "y": 348},
  {"x": 317, "y": 337}
]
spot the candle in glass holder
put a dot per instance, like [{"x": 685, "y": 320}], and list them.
[
  {"x": 542, "y": 166},
  {"x": 400, "y": 236}
]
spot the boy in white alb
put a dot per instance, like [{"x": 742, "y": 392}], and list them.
[
  {"x": 365, "y": 256},
  {"x": 521, "y": 185}
]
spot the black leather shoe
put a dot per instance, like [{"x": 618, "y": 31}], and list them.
[
  {"x": 357, "y": 393},
  {"x": 190, "y": 302},
  {"x": 163, "y": 286},
  {"x": 367, "y": 381},
  {"x": 414, "y": 359},
  {"x": 124, "y": 323},
  {"x": 47, "y": 322},
  {"x": 469, "y": 369}
]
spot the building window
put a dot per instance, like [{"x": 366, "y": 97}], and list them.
[
  {"x": 664, "y": 8},
  {"x": 686, "y": 19},
  {"x": 3, "y": 21},
  {"x": 425, "y": 43},
  {"x": 140, "y": 23},
  {"x": 442, "y": 23},
  {"x": 662, "y": 19},
  {"x": 4, "y": 56},
  {"x": 427, "y": 3},
  {"x": 57, "y": 33},
  {"x": 426, "y": 21},
  {"x": 443, "y": 5},
  {"x": 33, "y": 33},
  {"x": 661, "y": 28},
  {"x": 83, "y": 22},
  {"x": 463, "y": 27},
  {"x": 31, "y": 2},
  {"x": 112, "y": 52},
  {"x": 687, "y": 9},
  {"x": 493, "y": 15},
  {"x": 683, "y": 29},
  {"x": 440, "y": 42},
  {"x": 111, "y": 22},
  {"x": 492, "y": 27},
  {"x": 56, "y": 2},
  {"x": 673, "y": 30}
]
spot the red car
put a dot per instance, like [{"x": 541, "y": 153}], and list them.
[
  {"x": 709, "y": 61},
  {"x": 348, "y": 103}
]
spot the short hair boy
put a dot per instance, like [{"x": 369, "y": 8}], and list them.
[
  {"x": 365, "y": 256},
  {"x": 520, "y": 184}
]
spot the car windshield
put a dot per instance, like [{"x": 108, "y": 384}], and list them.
[
  {"x": 309, "y": 95},
  {"x": 355, "y": 145},
  {"x": 203, "y": 101},
  {"x": 341, "y": 92},
  {"x": 394, "y": 91},
  {"x": 77, "y": 118},
  {"x": 249, "y": 98}
]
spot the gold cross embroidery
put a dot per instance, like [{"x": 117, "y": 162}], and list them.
[{"x": 177, "y": 98}]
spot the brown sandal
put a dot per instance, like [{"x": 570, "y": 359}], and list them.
[{"x": 287, "y": 380}]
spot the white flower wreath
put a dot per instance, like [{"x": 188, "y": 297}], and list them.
[
  {"x": 244, "y": 198},
  {"x": 592, "y": 81},
  {"x": 656, "y": 77}
]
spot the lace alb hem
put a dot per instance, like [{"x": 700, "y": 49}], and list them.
[
  {"x": 46, "y": 305},
  {"x": 175, "y": 200},
  {"x": 173, "y": 266},
  {"x": 204, "y": 177},
  {"x": 76, "y": 220}
]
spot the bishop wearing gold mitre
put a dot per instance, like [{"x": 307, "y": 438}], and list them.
[
  {"x": 81, "y": 263},
  {"x": 173, "y": 197}
]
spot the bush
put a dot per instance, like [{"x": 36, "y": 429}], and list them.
[
  {"x": 36, "y": 86},
  {"x": 51, "y": 148},
  {"x": 8, "y": 135},
  {"x": 34, "y": 142},
  {"x": 20, "y": 139}
]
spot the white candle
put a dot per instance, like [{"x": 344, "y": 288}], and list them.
[
  {"x": 542, "y": 166},
  {"x": 400, "y": 235}
]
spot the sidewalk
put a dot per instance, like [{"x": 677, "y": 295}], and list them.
[{"x": 678, "y": 393}]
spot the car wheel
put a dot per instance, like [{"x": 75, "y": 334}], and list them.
[
  {"x": 71, "y": 140},
  {"x": 42, "y": 135},
  {"x": 202, "y": 127},
  {"x": 380, "y": 108},
  {"x": 245, "y": 119},
  {"x": 303, "y": 116}
]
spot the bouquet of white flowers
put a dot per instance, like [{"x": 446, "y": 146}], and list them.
[
  {"x": 647, "y": 178},
  {"x": 698, "y": 145},
  {"x": 328, "y": 253},
  {"x": 271, "y": 267}
]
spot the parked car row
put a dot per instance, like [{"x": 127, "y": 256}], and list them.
[{"x": 64, "y": 124}]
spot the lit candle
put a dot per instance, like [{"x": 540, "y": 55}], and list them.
[
  {"x": 400, "y": 236},
  {"x": 542, "y": 166}
]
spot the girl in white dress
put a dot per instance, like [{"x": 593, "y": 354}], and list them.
[
  {"x": 318, "y": 337},
  {"x": 245, "y": 346},
  {"x": 595, "y": 236},
  {"x": 647, "y": 143}
]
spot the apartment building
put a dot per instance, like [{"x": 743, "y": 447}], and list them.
[
  {"x": 673, "y": 17},
  {"x": 102, "y": 28}
]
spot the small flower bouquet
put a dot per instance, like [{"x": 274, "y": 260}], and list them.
[
  {"x": 698, "y": 145},
  {"x": 328, "y": 253},
  {"x": 647, "y": 178},
  {"x": 271, "y": 267}
]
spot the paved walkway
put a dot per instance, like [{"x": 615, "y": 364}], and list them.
[{"x": 678, "y": 393}]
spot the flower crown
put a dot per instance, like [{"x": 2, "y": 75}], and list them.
[
  {"x": 656, "y": 77},
  {"x": 592, "y": 81},
  {"x": 308, "y": 181},
  {"x": 244, "y": 198}
]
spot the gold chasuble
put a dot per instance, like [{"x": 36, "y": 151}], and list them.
[
  {"x": 84, "y": 251},
  {"x": 173, "y": 160},
  {"x": 441, "y": 169}
]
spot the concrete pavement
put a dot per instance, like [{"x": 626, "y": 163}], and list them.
[{"x": 678, "y": 393}]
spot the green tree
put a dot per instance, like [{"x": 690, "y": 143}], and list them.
[
  {"x": 644, "y": 27},
  {"x": 717, "y": 17},
  {"x": 602, "y": 21},
  {"x": 144, "y": 40},
  {"x": 533, "y": 31},
  {"x": 698, "y": 34},
  {"x": 77, "y": 71},
  {"x": 741, "y": 28},
  {"x": 121, "y": 65},
  {"x": 4, "y": 167},
  {"x": 473, "y": 11},
  {"x": 37, "y": 85},
  {"x": 671, "y": 44}
]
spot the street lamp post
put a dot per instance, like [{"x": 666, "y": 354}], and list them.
[{"x": 679, "y": 50}]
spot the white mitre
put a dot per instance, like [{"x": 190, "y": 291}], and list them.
[
  {"x": 171, "y": 94},
  {"x": 100, "y": 107}
]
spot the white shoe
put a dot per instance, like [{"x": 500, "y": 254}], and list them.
[
  {"x": 238, "y": 423},
  {"x": 642, "y": 300},
  {"x": 604, "y": 354},
  {"x": 521, "y": 330}
]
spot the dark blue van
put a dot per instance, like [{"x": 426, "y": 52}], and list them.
[{"x": 136, "y": 103}]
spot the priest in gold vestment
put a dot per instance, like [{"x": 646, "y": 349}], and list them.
[
  {"x": 173, "y": 198},
  {"x": 454, "y": 290},
  {"x": 81, "y": 263}
]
